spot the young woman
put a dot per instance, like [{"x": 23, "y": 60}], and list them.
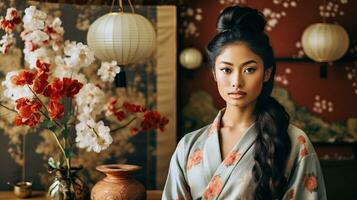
[{"x": 250, "y": 151}]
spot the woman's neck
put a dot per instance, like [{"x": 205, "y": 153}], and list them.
[{"x": 237, "y": 117}]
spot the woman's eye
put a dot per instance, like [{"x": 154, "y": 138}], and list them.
[
  {"x": 249, "y": 70},
  {"x": 226, "y": 70}
]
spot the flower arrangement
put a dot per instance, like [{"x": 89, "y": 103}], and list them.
[{"x": 55, "y": 93}]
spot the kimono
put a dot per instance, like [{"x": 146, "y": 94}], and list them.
[{"x": 197, "y": 170}]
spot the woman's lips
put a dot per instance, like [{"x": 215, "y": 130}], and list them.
[{"x": 237, "y": 95}]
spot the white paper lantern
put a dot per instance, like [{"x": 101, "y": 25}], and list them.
[
  {"x": 191, "y": 58},
  {"x": 325, "y": 42},
  {"x": 125, "y": 37}
]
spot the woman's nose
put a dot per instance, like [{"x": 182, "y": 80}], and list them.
[{"x": 237, "y": 80}]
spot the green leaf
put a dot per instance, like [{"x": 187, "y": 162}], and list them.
[
  {"x": 65, "y": 133},
  {"x": 53, "y": 163},
  {"x": 68, "y": 152},
  {"x": 66, "y": 117}
]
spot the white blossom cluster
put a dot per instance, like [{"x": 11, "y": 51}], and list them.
[{"x": 108, "y": 70}]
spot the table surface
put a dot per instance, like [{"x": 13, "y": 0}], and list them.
[{"x": 41, "y": 195}]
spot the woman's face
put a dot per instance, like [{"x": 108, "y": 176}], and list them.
[{"x": 240, "y": 75}]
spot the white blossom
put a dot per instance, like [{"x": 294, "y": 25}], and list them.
[
  {"x": 93, "y": 136},
  {"x": 34, "y": 19},
  {"x": 62, "y": 70},
  {"x": 31, "y": 57},
  {"x": 6, "y": 42},
  {"x": 13, "y": 91},
  {"x": 11, "y": 13},
  {"x": 90, "y": 101},
  {"x": 37, "y": 37},
  {"x": 78, "y": 55},
  {"x": 108, "y": 70}
]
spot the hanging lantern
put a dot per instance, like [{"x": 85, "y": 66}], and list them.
[
  {"x": 124, "y": 37},
  {"x": 190, "y": 58},
  {"x": 324, "y": 42}
]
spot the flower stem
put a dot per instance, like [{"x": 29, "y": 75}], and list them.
[
  {"x": 58, "y": 142},
  {"x": 125, "y": 125},
  {"x": 8, "y": 108}
]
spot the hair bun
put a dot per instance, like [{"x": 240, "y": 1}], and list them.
[{"x": 242, "y": 19}]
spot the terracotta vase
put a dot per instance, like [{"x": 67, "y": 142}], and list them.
[{"x": 118, "y": 184}]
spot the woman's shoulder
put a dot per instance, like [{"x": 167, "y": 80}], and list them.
[{"x": 301, "y": 145}]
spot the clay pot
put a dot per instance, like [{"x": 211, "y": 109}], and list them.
[{"x": 118, "y": 184}]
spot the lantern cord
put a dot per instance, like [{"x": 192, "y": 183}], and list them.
[
  {"x": 111, "y": 8},
  {"x": 324, "y": 16},
  {"x": 131, "y": 6},
  {"x": 120, "y": 8}
]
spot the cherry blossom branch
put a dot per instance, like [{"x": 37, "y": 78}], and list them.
[
  {"x": 8, "y": 108},
  {"x": 125, "y": 125}
]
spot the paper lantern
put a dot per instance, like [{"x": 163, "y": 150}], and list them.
[
  {"x": 324, "y": 42},
  {"x": 190, "y": 58},
  {"x": 125, "y": 37}
]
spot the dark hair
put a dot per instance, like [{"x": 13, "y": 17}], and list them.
[{"x": 272, "y": 147}]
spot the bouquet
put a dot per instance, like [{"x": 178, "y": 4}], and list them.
[{"x": 52, "y": 90}]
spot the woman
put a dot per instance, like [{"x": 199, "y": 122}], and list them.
[{"x": 250, "y": 151}]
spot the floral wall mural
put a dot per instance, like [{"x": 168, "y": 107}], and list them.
[{"x": 325, "y": 108}]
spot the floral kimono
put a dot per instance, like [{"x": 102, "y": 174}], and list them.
[{"x": 198, "y": 172}]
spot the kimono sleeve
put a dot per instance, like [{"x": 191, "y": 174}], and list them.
[
  {"x": 306, "y": 181},
  {"x": 176, "y": 187}
]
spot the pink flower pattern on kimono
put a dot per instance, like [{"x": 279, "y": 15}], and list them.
[
  {"x": 291, "y": 194},
  {"x": 310, "y": 182},
  {"x": 214, "y": 188},
  {"x": 214, "y": 127},
  {"x": 195, "y": 158},
  {"x": 231, "y": 158},
  {"x": 304, "y": 152},
  {"x": 301, "y": 139}
]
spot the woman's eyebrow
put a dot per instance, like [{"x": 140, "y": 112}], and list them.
[{"x": 241, "y": 65}]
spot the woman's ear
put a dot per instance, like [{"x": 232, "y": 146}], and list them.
[{"x": 267, "y": 74}]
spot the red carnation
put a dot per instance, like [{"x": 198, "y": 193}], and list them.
[
  {"x": 55, "y": 109},
  {"x": 24, "y": 77},
  {"x": 71, "y": 87}
]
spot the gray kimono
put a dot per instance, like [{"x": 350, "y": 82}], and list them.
[{"x": 197, "y": 170}]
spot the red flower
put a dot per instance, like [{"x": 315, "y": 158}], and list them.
[
  {"x": 54, "y": 90},
  {"x": 231, "y": 158},
  {"x": 301, "y": 139},
  {"x": 110, "y": 105},
  {"x": 71, "y": 87},
  {"x": 24, "y": 77},
  {"x": 304, "y": 152},
  {"x": 134, "y": 131},
  {"x": 55, "y": 109},
  {"x": 195, "y": 158},
  {"x": 40, "y": 83},
  {"x": 60, "y": 88},
  {"x": 310, "y": 182},
  {"x": 132, "y": 108},
  {"x": 120, "y": 115},
  {"x": 214, "y": 188},
  {"x": 42, "y": 66},
  {"x": 28, "y": 112},
  {"x": 153, "y": 120},
  {"x": 8, "y": 25}
]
